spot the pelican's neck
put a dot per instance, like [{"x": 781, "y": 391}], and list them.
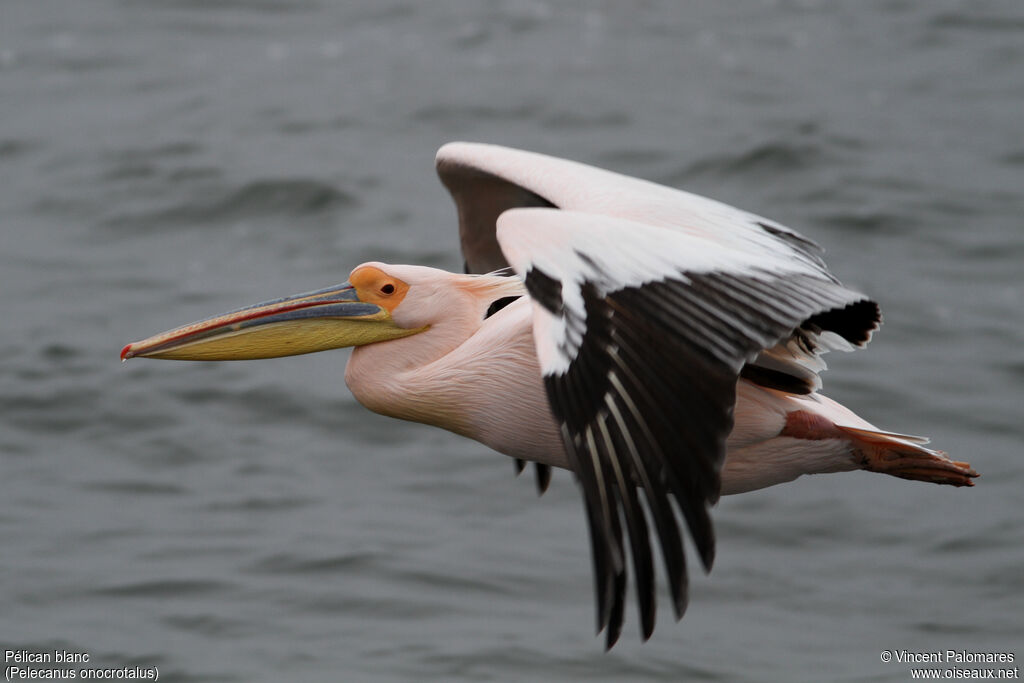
[
  {"x": 391, "y": 377},
  {"x": 387, "y": 377},
  {"x": 485, "y": 385}
]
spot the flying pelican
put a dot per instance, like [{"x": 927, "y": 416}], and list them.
[{"x": 650, "y": 340}]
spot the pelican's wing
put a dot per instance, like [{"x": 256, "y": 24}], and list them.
[
  {"x": 641, "y": 333},
  {"x": 481, "y": 194},
  {"x": 487, "y": 180}
]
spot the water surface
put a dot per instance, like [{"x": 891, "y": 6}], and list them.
[{"x": 163, "y": 160}]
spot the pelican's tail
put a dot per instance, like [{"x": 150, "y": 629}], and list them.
[{"x": 907, "y": 457}]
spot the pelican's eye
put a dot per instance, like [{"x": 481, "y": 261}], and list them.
[{"x": 374, "y": 286}]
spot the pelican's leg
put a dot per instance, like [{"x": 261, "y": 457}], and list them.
[{"x": 890, "y": 454}]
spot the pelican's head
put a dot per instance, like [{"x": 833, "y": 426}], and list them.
[
  {"x": 380, "y": 302},
  {"x": 376, "y": 304}
]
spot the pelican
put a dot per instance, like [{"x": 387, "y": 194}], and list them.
[{"x": 660, "y": 345}]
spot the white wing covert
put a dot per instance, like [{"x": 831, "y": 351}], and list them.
[{"x": 486, "y": 180}]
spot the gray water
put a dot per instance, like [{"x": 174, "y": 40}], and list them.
[{"x": 164, "y": 160}]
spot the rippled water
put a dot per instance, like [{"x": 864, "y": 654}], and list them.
[{"x": 162, "y": 160}]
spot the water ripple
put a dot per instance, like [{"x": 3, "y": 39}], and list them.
[
  {"x": 137, "y": 487},
  {"x": 257, "y": 199},
  {"x": 280, "y": 563},
  {"x": 161, "y": 588},
  {"x": 766, "y": 158}
]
